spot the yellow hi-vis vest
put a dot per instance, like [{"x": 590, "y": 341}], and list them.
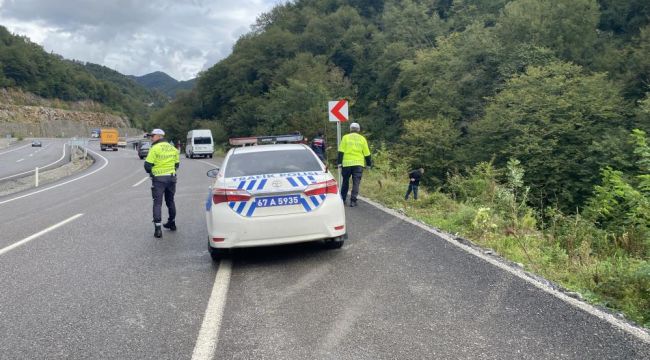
[
  {"x": 355, "y": 149},
  {"x": 164, "y": 157}
]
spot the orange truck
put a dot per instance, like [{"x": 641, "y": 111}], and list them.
[{"x": 108, "y": 139}]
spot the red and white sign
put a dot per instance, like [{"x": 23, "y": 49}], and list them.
[{"x": 338, "y": 110}]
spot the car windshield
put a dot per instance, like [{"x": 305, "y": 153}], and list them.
[
  {"x": 145, "y": 146},
  {"x": 202, "y": 140},
  {"x": 271, "y": 162}
]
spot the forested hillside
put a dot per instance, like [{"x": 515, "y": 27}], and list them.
[
  {"x": 26, "y": 66},
  {"x": 556, "y": 84}
]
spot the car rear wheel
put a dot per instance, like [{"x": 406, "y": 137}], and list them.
[
  {"x": 335, "y": 243},
  {"x": 217, "y": 254}
]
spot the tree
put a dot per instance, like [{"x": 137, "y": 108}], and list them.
[
  {"x": 430, "y": 144},
  {"x": 564, "y": 125},
  {"x": 413, "y": 22},
  {"x": 568, "y": 27},
  {"x": 451, "y": 80}
]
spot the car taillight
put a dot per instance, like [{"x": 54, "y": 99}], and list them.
[
  {"x": 220, "y": 195},
  {"x": 322, "y": 188}
]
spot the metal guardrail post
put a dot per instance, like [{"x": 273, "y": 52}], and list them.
[{"x": 36, "y": 177}]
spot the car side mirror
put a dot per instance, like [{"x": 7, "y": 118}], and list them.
[{"x": 213, "y": 173}]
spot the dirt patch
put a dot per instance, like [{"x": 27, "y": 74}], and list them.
[{"x": 46, "y": 177}]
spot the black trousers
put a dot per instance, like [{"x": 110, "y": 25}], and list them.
[
  {"x": 412, "y": 188},
  {"x": 163, "y": 186},
  {"x": 355, "y": 172}
]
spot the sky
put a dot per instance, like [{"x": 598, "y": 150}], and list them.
[{"x": 179, "y": 37}]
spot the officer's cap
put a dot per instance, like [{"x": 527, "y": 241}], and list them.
[
  {"x": 355, "y": 126},
  {"x": 157, "y": 132}
]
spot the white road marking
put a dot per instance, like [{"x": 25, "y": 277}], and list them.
[
  {"x": 140, "y": 182},
  {"x": 12, "y": 150},
  {"x": 40, "y": 168},
  {"x": 63, "y": 183},
  {"x": 621, "y": 324},
  {"x": 20, "y": 160},
  {"x": 40, "y": 233},
  {"x": 206, "y": 343}
]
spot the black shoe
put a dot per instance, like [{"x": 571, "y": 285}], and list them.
[
  {"x": 157, "y": 231},
  {"x": 353, "y": 203},
  {"x": 171, "y": 225}
]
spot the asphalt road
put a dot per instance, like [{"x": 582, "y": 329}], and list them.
[
  {"x": 22, "y": 158},
  {"x": 100, "y": 286}
]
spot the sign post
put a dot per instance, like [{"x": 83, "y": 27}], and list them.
[{"x": 338, "y": 112}]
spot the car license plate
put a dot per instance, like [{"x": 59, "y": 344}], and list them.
[{"x": 269, "y": 201}]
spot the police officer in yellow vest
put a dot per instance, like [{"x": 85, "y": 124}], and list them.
[
  {"x": 353, "y": 156},
  {"x": 161, "y": 164}
]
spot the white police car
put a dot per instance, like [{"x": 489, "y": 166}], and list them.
[{"x": 270, "y": 195}]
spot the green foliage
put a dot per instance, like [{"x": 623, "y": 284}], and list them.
[
  {"x": 622, "y": 206},
  {"x": 429, "y": 144},
  {"x": 568, "y": 27},
  {"x": 562, "y": 124},
  {"x": 637, "y": 76},
  {"x": 453, "y": 79},
  {"x": 624, "y": 17},
  {"x": 412, "y": 22}
]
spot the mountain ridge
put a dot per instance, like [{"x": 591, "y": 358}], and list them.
[{"x": 163, "y": 82}]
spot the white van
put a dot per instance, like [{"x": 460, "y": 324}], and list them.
[{"x": 199, "y": 143}]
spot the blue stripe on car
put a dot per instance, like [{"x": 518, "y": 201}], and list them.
[
  {"x": 311, "y": 178},
  {"x": 251, "y": 185},
  {"x": 305, "y": 205},
  {"x": 231, "y": 204},
  {"x": 302, "y": 180},
  {"x": 314, "y": 200},
  {"x": 208, "y": 202},
  {"x": 262, "y": 184},
  {"x": 241, "y": 185},
  {"x": 240, "y": 208},
  {"x": 292, "y": 182},
  {"x": 251, "y": 209},
  {"x": 322, "y": 197}
]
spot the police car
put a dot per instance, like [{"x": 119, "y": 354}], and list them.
[{"x": 270, "y": 195}]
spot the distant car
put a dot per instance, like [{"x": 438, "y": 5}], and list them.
[
  {"x": 270, "y": 195},
  {"x": 121, "y": 142},
  {"x": 36, "y": 143},
  {"x": 143, "y": 150}
]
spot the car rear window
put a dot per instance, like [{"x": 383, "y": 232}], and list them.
[
  {"x": 271, "y": 162},
  {"x": 202, "y": 141}
]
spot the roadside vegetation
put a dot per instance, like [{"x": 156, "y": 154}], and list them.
[{"x": 601, "y": 252}]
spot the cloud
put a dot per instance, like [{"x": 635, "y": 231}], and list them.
[{"x": 179, "y": 37}]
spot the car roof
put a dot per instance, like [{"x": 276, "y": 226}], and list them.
[{"x": 264, "y": 148}]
